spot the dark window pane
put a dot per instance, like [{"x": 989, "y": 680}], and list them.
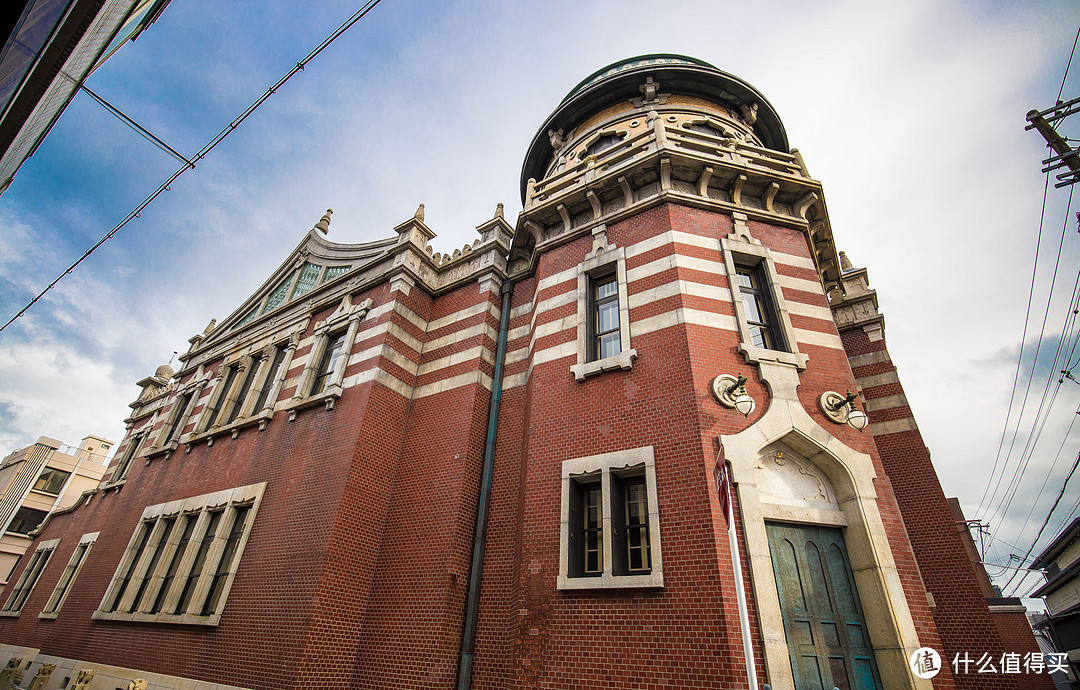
[
  {"x": 26, "y": 520},
  {"x": 50, "y": 481}
]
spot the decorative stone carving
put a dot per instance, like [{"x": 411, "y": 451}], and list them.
[
  {"x": 42, "y": 677},
  {"x": 82, "y": 681}
]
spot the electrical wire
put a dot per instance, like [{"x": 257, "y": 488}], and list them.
[
  {"x": 236, "y": 122},
  {"x": 1019, "y": 361},
  {"x": 1057, "y": 500},
  {"x": 1043, "y": 409},
  {"x": 1068, "y": 65}
]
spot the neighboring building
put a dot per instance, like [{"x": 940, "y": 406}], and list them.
[
  {"x": 311, "y": 498},
  {"x": 41, "y": 478},
  {"x": 1060, "y": 563},
  {"x": 49, "y": 50}
]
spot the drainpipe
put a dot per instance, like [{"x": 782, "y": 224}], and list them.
[{"x": 472, "y": 608}]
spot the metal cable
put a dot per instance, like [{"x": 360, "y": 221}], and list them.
[{"x": 357, "y": 16}]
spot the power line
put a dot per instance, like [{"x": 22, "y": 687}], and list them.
[
  {"x": 1057, "y": 500},
  {"x": 188, "y": 165}
]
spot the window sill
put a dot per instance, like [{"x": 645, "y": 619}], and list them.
[
  {"x": 233, "y": 428},
  {"x": 44, "y": 493},
  {"x": 10, "y": 614},
  {"x": 186, "y": 619},
  {"x": 753, "y": 355},
  {"x": 654, "y": 579},
  {"x": 16, "y": 534},
  {"x": 624, "y": 360},
  {"x": 327, "y": 397},
  {"x": 49, "y": 616}
]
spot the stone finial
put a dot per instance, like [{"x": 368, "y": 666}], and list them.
[
  {"x": 499, "y": 211},
  {"x": 164, "y": 372},
  {"x": 210, "y": 326},
  {"x": 419, "y": 215},
  {"x": 845, "y": 263},
  {"x": 323, "y": 225}
]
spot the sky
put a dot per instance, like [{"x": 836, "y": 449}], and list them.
[{"x": 910, "y": 114}]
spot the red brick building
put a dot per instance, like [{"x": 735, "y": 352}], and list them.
[{"x": 502, "y": 467}]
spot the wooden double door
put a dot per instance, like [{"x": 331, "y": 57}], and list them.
[{"x": 826, "y": 633}]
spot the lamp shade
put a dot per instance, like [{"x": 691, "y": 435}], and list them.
[{"x": 857, "y": 418}]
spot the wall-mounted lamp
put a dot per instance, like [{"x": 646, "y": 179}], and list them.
[
  {"x": 841, "y": 409},
  {"x": 731, "y": 392}
]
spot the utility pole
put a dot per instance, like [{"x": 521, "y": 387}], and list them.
[{"x": 1044, "y": 121}]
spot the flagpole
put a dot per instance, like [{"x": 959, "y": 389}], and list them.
[{"x": 724, "y": 489}]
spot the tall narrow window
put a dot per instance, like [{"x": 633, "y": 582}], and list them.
[
  {"x": 271, "y": 377},
  {"x": 605, "y": 318},
  {"x": 586, "y": 518},
  {"x": 30, "y": 576},
  {"x": 328, "y": 363},
  {"x": 245, "y": 388},
  {"x": 129, "y": 570},
  {"x": 630, "y": 511},
  {"x": 760, "y": 316},
  {"x": 176, "y": 421},
  {"x": 197, "y": 566},
  {"x": 222, "y": 396},
  {"x": 67, "y": 578},
  {"x": 224, "y": 566},
  {"x": 174, "y": 562},
  {"x": 152, "y": 566},
  {"x": 124, "y": 466},
  {"x": 278, "y": 295}
]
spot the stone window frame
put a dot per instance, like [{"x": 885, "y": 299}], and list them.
[
  {"x": 67, "y": 578},
  {"x": 740, "y": 249},
  {"x": 136, "y": 585},
  {"x": 134, "y": 446},
  {"x": 347, "y": 318},
  {"x": 632, "y": 460},
  {"x": 29, "y": 578},
  {"x": 602, "y": 261}
]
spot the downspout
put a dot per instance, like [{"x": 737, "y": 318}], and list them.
[{"x": 472, "y": 607}]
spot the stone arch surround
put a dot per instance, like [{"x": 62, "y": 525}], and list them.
[{"x": 847, "y": 499}]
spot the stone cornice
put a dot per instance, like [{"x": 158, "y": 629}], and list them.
[{"x": 666, "y": 164}]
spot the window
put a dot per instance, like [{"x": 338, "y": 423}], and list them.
[
  {"x": 333, "y": 272},
  {"x": 221, "y": 395},
  {"x": 26, "y": 520},
  {"x": 328, "y": 362},
  {"x": 764, "y": 326},
  {"x": 603, "y": 311},
  {"x": 179, "y": 415},
  {"x": 271, "y": 378},
  {"x": 309, "y": 275},
  {"x": 604, "y": 318},
  {"x": 610, "y": 526},
  {"x": 182, "y": 558},
  {"x": 121, "y": 471},
  {"x": 67, "y": 578},
  {"x": 245, "y": 388},
  {"x": 758, "y": 309},
  {"x": 278, "y": 295},
  {"x": 30, "y": 576},
  {"x": 50, "y": 481}
]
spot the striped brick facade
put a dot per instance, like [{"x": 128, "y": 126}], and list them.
[{"x": 354, "y": 569}]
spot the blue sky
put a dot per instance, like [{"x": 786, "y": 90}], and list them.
[{"x": 911, "y": 115}]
